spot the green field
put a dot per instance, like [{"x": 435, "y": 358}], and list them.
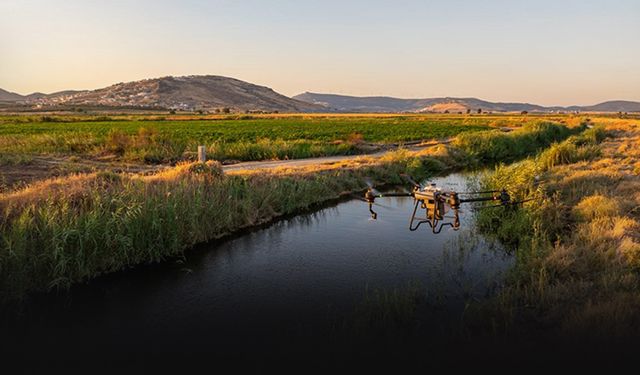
[{"x": 251, "y": 138}]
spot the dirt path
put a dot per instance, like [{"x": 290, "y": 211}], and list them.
[
  {"x": 295, "y": 163},
  {"x": 43, "y": 167}
]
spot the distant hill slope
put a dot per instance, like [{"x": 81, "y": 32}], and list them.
[
  {"x": 611, "y": 106},
  {"x": 189, "y": 93},
  {"x": 6, "y": 96},
  {"x": 209, "y": 92},
  {"x": 345, "y": 103}
]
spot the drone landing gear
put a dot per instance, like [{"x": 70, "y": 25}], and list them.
[
  {"x": 432, "y": 217},
  {"x": 374, "y": 215}
]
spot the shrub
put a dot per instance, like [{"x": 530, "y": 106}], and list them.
[
  {"x": 355, "y": 138},
  {"x": 210, "y": 169},
  {"x": 117, "y": 141},
  {"x": 146, "y": 137}
]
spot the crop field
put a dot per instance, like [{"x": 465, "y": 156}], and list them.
[
  {"x": 155, "y": 139},
  {"x": 35, "y": 147}
]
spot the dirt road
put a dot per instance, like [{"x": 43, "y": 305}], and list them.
[
  {"x": 43, "y": 167},
  {"x": 294, "y": 163}
]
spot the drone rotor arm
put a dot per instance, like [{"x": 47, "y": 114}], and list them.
[{"x": 480, "y": 199}]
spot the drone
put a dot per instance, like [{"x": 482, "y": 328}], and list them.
[{"x": 437, "y": 203}]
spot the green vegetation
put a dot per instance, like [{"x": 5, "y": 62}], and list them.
[
  {"x": 577, "y": 249},
  {"x": 71, "y": 230},
  {"x": 493, "y": 147},
  {"x": 522, "y": 180},
  {"x": 244, "y": 138},
  {"x": 62, "y": 231}
]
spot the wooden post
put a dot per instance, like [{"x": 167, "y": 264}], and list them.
[{"x": 202, "y": 154}]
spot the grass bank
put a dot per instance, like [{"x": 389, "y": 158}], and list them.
[
  {"x": 577, "y": 245},
  {"x": 66, "y": 230}
]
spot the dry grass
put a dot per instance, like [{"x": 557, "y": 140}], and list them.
[
  {"x": 596, "y": 206},
  {"x": 577, "y": 274}
]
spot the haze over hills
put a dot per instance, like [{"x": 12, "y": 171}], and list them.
[
  {"x": 345, "y": 103},
  {"x": 186, "y": 93},
  {"x": 215, "y": 93}
]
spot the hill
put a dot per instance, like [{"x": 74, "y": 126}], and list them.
[
  {"x": 215, "y": 93},
  {"x": 6, "y": 96},
  {"x": 188, "y": 93},
  {"x": 344, "y": 103},
  {"x": 612, "y": 106}
]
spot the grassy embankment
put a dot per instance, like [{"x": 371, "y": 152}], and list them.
[
  {"x": 577, "y": 246},
  {"x": 61, "y": 231},
  {"x": 241, "y": 138}
]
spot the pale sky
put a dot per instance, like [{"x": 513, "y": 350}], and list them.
[{"x": 555, "y": 52}]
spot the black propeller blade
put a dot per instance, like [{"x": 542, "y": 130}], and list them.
[{"x": 370, "y": 185}]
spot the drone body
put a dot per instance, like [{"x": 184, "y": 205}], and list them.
[{"x": 437, "y": 203}]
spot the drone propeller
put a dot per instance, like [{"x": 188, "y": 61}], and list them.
[
  {"x": 411, "y": 180},
  {"x": 373, "y": 203},
  {"x": 372, "y": 189}
]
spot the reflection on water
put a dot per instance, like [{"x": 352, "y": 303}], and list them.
[{"x": 238, "y": 295}]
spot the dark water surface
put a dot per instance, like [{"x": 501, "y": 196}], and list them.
[{"x": 280, "y": 289}]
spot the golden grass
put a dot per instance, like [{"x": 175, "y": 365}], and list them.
[
  {"x": 595, "y": 206},
  {"x": 580, "y": 273}
]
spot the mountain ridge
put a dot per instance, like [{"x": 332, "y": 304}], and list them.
[
  {"x": 219, "y": 93},
  {"x": 194, "y": 92},
  {"x": 347, "y": 103}
]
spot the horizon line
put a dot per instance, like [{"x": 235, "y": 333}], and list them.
[{"x": 389, "y": 96}]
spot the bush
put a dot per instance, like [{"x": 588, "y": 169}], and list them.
[
  {"x": 117, "y": 141},
  {"x": 49, "y": 119},
  {"x": 355, "y": 138},
  {"x": 210, "y": 169}
]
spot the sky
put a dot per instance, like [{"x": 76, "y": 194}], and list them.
[{"x": 559, "y": 52}]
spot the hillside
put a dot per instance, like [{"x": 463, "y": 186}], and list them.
[
  {"x": 612, "y": 106},
  {"x": 188, "y": 93},
  {"x": 214, "y": 93},
  {"x": 6, "y": 96},
  {"x": 344, "y": 103}
]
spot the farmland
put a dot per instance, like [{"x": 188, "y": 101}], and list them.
[
  {"x": 68, "y": 220},
  {"x": 34, "y": 147},
  {"x": 154, "y": 139}
]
